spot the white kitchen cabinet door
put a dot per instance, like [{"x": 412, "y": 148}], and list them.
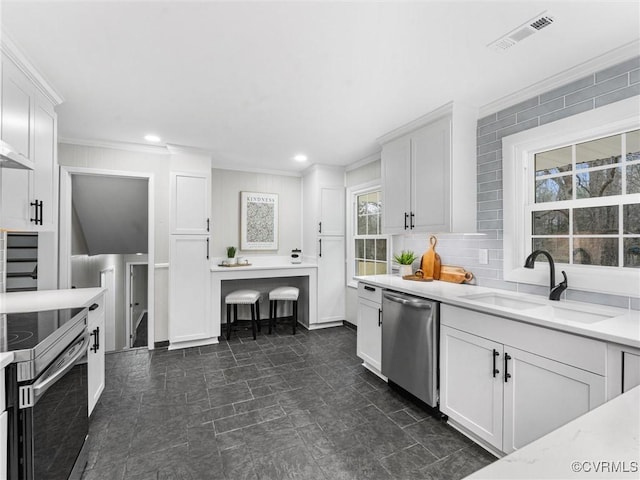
[
  {"x": 331, "y": 279},
  {"x": 332, "y": 211},
  {"x": 430, "y": 177},
  {"x": 16, "y": 121},
  {"x": 369, "y": 334},
  {"x": 189, "y": 289},
  {"x": 44, "y": 177},
  {"x": 190, "y": 203},
  {"x": 631, "y": 371},
  {"x": 470, "y": 390},
  {"x": 396, "y": 182},
  {"x": 541, "y": 395},
  {"x": 95, "y": 355}
]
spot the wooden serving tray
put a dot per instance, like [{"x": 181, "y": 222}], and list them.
[
  {"x": 235, "y": 265},
  {"x": 417, "y": 278}
]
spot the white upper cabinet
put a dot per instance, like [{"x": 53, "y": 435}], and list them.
[
  {"x": 429, "y": 173},
  {"x": 332, "y": 210},
  {"x": 190, "y": 203},
  {"x": 28, "y": 124}
]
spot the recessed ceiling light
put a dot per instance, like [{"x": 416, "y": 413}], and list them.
[
  {"x": 152, "y": 138},
  {"x": 300, "y": 158}
]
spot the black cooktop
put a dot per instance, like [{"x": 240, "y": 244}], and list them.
[{"x": 26, "y": 330}]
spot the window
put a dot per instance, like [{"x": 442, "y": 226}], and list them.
[
  {"x": 572, "y": 187},
  {"x": 368, "y": 249},
  {"x": 583, "y": 210}
]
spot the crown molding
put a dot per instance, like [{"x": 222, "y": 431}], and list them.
[
  {"x": 130, "y": 147},
  {"x": 609, "y": 59},
  {"x": 374, "y": 157},
  {"x": 11, "y": 50},
  {"x": 265, "y": 171}
]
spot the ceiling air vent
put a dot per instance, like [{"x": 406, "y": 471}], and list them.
[{"x": 523, "y": 31}]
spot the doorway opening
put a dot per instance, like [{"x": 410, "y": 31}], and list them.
[{"x": 106, "y": 233}]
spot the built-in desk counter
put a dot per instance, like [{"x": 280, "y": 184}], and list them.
[{"x": 263, "y": 275}]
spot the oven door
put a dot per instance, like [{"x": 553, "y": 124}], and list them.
[{"x": 53, "y": 418}]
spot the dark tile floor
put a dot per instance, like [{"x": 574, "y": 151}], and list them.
[{"x": 280, "y": 407}]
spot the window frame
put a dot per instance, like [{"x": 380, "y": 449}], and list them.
[
  {"x": 518, "y": 174},
  {"x": 352, "y": 194}
]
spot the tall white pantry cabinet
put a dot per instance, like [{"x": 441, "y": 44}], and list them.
[
  {"x": 190, "y": 322},
  {"x": 323, "y": 221}
]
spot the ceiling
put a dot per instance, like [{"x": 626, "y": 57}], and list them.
[{"x": 255, "y": 83}]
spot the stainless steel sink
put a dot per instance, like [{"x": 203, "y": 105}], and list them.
[{"x": 506, "y": 301}]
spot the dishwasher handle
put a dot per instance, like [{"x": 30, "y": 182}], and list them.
[{"x": 408, "y": 300}]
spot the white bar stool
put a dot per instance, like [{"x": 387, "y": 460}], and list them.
[
  {"x": 283, "y": 294},
  {"x": 243, "y": 297}
]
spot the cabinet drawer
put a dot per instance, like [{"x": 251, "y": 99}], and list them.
[{"x": 370, "y": 292}]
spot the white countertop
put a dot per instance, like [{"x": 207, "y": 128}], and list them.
[
  {"x": 19, "y": 302},
  {"x": 622, "y": 328},
  {"x": 609, "y": 433}
]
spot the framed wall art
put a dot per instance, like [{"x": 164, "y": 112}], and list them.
[{"x": 258, "y": 221}]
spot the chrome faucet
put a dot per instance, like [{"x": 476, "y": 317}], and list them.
[{"x": 554, "y": 290}]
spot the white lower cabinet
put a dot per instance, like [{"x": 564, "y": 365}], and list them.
[
  {"x": 95, "y": 355},
  {"x": 189, "y": 291},
  {"x": 369, "y": 336},
  {"x": 506, "y": 395}
]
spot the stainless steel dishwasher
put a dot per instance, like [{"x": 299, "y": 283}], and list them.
[{"x": 410, "y": 344}]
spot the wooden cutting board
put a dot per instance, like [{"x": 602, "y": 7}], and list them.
[
  {"x": 453, "y": 274},
  {"x": 430, "y": 263}
]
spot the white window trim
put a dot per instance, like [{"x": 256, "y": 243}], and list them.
[
  {"x": 516, "y": 151},
  {"x": 352, "y": 192}
]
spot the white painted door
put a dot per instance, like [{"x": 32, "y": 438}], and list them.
[
  {"x": 430, "y": 177},
  {"x": 44, "y": 176},
  {"x": 332, "y": 211},
  {"x": 16, "y": 126},
  {"x": 470, "y": 390},
  {"x": 331, "y": 279},
  {"x": 396, "y": 177},
  {"x": 189, "y": 289},
  {"x": 190, "y": 203},
  {"x": 369, "y": 335},
  {"x": 541, "y": 395}
]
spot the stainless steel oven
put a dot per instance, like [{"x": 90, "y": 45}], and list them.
[{"x": 47, "y": 395}]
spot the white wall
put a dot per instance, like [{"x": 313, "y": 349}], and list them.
[
  {"x": 225, "y": 213},
  {"x": 157, "y": 164},
  {"x": 85, "y": 272}
]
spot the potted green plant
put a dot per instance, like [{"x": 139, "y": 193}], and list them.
[
  {"x": 231, "y": 253},
  {"x": 405, "y": 259}
]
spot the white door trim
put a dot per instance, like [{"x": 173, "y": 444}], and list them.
[
  {"x": 128, "y": 299},
  {"x": 65, "y": 232}
]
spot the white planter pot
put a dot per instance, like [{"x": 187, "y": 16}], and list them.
[{"x": 405, "y": 270}]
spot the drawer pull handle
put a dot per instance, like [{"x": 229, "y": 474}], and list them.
[
  {"x": 507, "y": 375},
  {"x": 496, "y": 354},
  {"x": 371, "y": 289}
]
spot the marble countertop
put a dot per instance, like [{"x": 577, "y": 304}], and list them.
[
  {"x": 579, "y": 449},
  {"x": 623, "y": 327},
  {"x": 19, "y": 302},
  {"x": 264, "y": 266}
]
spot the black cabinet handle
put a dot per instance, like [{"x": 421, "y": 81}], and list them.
[
  {"x": 208, "y": 224},
  {"x": 93, "y": 307},
  {"x": 371, "y": 289},
  {"x": 41, "y": 209},
  {"x": 406, "y": 217},
  {"x": 319, "y": 227},
  {"x": 412, "y": 217},
  {"x": 35, "y": 211},
  {"x": 507, "y": 375},
  {"x": 496, "y": 354},
  {"x": 320, "y": 253},
  {"x": 207, "y": 249},
  {"x": 96, "y": 340},
  {"x": 379, "y": 317}
]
